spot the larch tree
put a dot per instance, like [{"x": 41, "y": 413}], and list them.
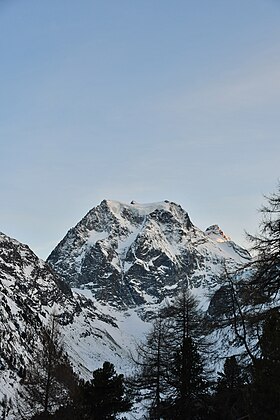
[
  {"x": 265, "y": 387},
  {"x": 265, "y": 281},
  {"x": 186, "y": 373},
  {"x": 153, "y": 360},
  {"x": 172, "y": 366},
  {"x": 43, "y": 391}
]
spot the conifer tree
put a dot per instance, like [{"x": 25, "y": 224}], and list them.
[
  {"x": 262, "y": 292},
  {"x": 186, "y": 364},
  {"x": 153, "y": 360},
  {"x": 188, "y": 381},
  {"x": 265, "y": 282},
  {"x": 173, "y": 361},
  {"x": 42, "y": 389},
  {"x": 265, "y": 386},
  {"x": 231, "y": 388},
  {"x": 104, "y": 396},
  {"x": 184, "y": 316}
]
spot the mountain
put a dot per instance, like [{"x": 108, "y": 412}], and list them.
[
  {"x": 134, "y": 254},
  {"x": 30, "y": 293},
  {"x": 104, "y": 282}
]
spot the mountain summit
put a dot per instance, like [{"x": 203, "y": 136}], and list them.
[
  {"x": 108, "y": 278},
  {"x": 131, "y": 254}
]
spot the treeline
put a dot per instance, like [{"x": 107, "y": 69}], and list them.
[
  {"x": 51, "y": 389},
  {"x": 175, "y": 379},
  {"x": 175, "y": 369}
]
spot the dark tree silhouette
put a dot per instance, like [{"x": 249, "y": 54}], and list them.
[
  {"x": 230, "y": 391},
  {"x": 265, "y": 281},
  {"x": 265, "y": 387},
  {"x": 171, "y": 364},
  {"x": 154, "y": 360},
  {"x": 188, "y": 381},
  {"x": 104, "y": 396}
]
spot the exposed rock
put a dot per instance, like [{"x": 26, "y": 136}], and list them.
[{"x": 131, "y": 254}]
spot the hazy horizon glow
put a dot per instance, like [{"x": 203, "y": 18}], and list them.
[{"x": 141, "y": 101}]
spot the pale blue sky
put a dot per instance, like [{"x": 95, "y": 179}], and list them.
[{"x": 137, "y": 99}]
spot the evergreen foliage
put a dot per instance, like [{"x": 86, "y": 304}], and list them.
[
  {"x": 188, "y": 381},
  {"x": 171, "y": 364},
  {"x": 104, "y": 395},
  {"x": 265, "y": 387},
  {"x": 102, "y": 398},
  {"x": 231, "y": 387}
]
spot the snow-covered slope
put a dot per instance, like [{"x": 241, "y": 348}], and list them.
[
  {"x": 121, "y": 261},
  {"x": 133, "y": 254},
  {"x": 30, "y": 292}
]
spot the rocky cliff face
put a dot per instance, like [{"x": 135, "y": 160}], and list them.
[{"x": 132, "y": 254}]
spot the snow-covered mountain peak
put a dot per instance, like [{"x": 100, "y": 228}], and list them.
[
  {"x": 139, "y": 212},
  {"x": 216, "y": 234},
  {"x": 5, "y": 238},
  {"x": 123, "y": 261},
  {"x": 226, "y": 245},
  {"x": 129, "y": 254},
  {"x": 143, "y": 209},
  {"x": 13, "y": 251}
]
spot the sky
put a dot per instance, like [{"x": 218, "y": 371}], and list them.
[{"x": 141, "y": 100}]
